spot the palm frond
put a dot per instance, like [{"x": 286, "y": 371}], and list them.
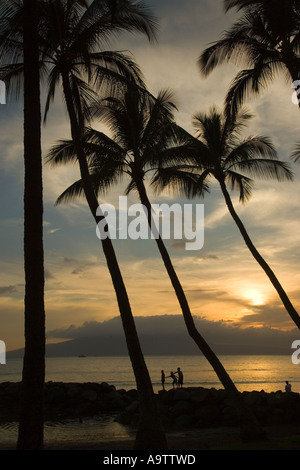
[
  {"x": 249, "y": 83},
  {"x": 53, "y": 79},
  {"x": 240, "y": 183},
  {"x": 238, "y": 4},
  {"x": 114, "y": 70},
  {"x": 179, "y": 182},
  {"x": 76, "y": 190},
  {"x": 249, "y": 148},
  {"x": 266, "y": 169},
  {"x": 295, "y": 156},
  {"x": 240, "y": 44},
  {"x": 105, "y": 18},
  {"x": 61, "y": 153},
  {"x": 102, "y": 182}
]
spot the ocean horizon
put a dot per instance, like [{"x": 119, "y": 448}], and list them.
[
  {"x": 255, "y": 372},
  {"x": 249, "y": 373}
]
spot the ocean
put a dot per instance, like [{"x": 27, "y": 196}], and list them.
[{"x": 267, "y": 373}]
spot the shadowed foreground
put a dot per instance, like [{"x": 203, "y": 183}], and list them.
[
  {"x": 225, "y": 438},
  {"x": 94, "y": 416}
]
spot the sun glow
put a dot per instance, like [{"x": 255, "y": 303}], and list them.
[{"x": 254, "y": 296}]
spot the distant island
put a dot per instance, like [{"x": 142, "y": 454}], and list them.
[{"x": 164, "y": 335}]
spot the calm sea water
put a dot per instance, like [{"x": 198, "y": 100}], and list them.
[{"x": 267, "y": 373}]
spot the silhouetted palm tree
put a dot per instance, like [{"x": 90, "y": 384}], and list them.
[
  {"x": 228, "y": 158},
  {"x": 144, "y": 133},
  {"x": 266, "y": 38},
  {"x": 71, "y": 34},
  {"x": 32, "y": 399},
  {"x": 32, "y": 391}
]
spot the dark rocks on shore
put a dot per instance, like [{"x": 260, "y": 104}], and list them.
[{"x": 192, "y": 407}]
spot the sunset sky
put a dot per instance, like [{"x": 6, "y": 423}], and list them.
[{"x": 222, "y": 281}]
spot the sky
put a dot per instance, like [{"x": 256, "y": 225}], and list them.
[{"x": 223, "y": 283}]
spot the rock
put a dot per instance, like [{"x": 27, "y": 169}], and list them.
[
  {"x": 89, "y": 395},
  {"x": 207, "y": 416},
  {"x": 182, "y": 406},
  {"x": 179, "y": 408},
  {"x": 184, "y": 421}
]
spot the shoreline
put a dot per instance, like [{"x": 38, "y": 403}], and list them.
[
  {"x": 99, "y": 417},
  {"x": 222, "y": 438}
]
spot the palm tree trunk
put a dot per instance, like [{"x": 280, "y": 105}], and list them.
[
  {"x": 187, "y": 315},
  {"x": 264, "y": 265},
  {"x": 249, "y": 426},
  {"x": 31, "y": 423},
  {"x": 149, "y": 433}
]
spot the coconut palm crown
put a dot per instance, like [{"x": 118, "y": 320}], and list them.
[
  {"x": 72, "y": 40},
  {"x": 265, "y": 41},
  {"x": 233, "y": 161}
]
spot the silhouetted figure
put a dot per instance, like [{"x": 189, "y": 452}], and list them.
[
  {"x": 180, "y": 377},
  {"x": 288, "y": 387},
  {"x": 163, "y": 379},
  {"x": 173, "y": 376}
]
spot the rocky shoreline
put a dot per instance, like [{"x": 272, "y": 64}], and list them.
[{"x": 186, "y": 408}]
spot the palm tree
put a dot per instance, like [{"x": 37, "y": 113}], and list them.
[
  {"x": 144, "y": 133},
  {"x": 266, "y": 38},
  {"x": 225, "y": 156},
  {"x": 70, "y": 36},
  {"x": 32, "y": 391}
]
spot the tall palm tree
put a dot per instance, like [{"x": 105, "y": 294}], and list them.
[
  {"x": 266, "y": 38},
  {"x": 225, "y": 156},
  {"x": 70, "y": 35},
  {"x": 144, "y": 133},
  {"x": 32, "y": 391}
]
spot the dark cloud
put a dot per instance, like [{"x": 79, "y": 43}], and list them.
[
  {"x": 267, "y": 315},
  {"x": 167, "y": 334},
  {"x": 7, "y": 290},
  {"x": 48, "y": 274}
]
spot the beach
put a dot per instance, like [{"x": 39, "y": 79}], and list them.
[
  {"x": 98, "y": 417},
  {"x": 223, "y": 438},
  {"x": 261, "y": 377}
]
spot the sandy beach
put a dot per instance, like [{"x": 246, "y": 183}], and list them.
[{"x": 219, "y": 438}]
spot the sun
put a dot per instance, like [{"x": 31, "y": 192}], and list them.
[{"x": 254, "y": 296}]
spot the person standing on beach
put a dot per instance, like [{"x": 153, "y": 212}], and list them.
[
  {"x": 288, "y": 387},
  {"x": 163, "y": 379},
  {"x": 173, "y": 376},
  {"x": 180, "y": 377}
]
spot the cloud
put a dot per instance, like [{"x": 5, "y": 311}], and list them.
[
  {"x": 48, "y": 274},
  {"x": 7, "y": 290},
  {"x": 168, "y": 333}
]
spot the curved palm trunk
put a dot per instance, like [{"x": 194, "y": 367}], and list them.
[
  {"x": 149, "y": 434},
  {"x": 30, "y": 436},
  {"x": 250, "y": 428},
  {"x": 281, "y": 292}
]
